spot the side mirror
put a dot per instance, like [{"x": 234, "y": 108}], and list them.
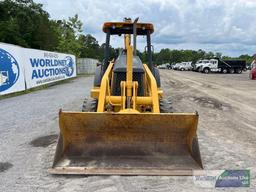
[
  {"x": 146, "y": 49},
  {"x": 152, "y": 49}
]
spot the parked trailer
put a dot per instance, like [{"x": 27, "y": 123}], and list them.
[{"x": 223, "y": 66}]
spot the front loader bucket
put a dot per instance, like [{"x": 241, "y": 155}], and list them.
[{"x": 127, "y": 144}]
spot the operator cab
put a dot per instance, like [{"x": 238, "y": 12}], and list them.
[{"x": 119, "y": 69}]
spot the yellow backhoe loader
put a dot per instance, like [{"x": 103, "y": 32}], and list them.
[{"x": 127, "y": 129}]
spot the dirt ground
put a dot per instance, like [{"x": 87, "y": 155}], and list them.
[{"x": 227, "y": 133}]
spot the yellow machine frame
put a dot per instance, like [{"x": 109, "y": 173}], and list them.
[
  {"x": 127, "y": 135},
  {"x": 128, "y": 89}
]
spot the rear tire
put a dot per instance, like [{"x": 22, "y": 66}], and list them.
[
  {"x": 90, "y": 105},
  {"x": 238, "y": 71},
  {"x": 224, "y": 71},
  {"x": 231, "y": 71},
  {"x": 166, "y": 106}
]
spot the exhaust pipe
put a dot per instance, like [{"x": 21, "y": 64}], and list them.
[{"x": 135, "y": 35}]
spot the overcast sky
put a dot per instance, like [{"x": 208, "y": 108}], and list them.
[{"x": 226, "y": 26}]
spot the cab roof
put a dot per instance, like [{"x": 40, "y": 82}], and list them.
[{"x": 118, "y": 28}]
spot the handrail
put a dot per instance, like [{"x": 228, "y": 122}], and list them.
[
  {"x": 154, "y": 92},
  {"x": 103, "y": 88}
]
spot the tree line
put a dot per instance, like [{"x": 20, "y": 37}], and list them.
[
  {"x": 177, "y": 56},
  {"x": 25, "y": 23}
]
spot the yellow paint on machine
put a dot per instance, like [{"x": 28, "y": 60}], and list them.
[
  {"x": 127, "y": 135},
  {"x": 120, "y": 143}
]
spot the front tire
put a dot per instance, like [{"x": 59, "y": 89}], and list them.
[
  {"x": 166, "y": 106},
  {"x": 90, "y": 105},
  {"x": 206, "y": 70}
]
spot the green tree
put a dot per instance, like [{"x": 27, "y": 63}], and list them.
[
  {"x": 25, "y": 23},
  {"x": 218, "y": 54},
  {"x": 176, "y": 56},
  {"x": 163, "y": 56},
  {"x": 90, "y": 47},
  {"x": 246, "y": 57},
  {"x": 69, "y": 33},
  {"x": 209, "y": 55}
]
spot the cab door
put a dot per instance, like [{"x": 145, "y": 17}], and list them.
[{"x": 213, "y": 64}]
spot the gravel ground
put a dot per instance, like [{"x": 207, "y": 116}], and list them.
[{"x": 227, "y": 133}]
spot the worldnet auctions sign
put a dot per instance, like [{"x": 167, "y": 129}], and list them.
[
  {"x": 44, "y": 67},
  {"x": 22, "y": 68}
]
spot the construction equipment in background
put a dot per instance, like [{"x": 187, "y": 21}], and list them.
[
  {"x": 127, "y": 129},
  {"x": 222, "y": 66}
]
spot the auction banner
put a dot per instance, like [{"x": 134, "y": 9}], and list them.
[
  {"x": 42, "y": 67},
  {"x": 11, "y": 69}
]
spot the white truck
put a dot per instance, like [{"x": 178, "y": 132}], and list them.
[
  {"x": 163, "y": 66},
  {"x": 199, "y": 63},
  {"x": 185, "y": 66},
  {"x": 223, "y": 66},
  {"x": 175, "y": 66}
]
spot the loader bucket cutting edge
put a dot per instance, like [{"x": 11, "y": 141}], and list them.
[{"x": 127, "y": 144}]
